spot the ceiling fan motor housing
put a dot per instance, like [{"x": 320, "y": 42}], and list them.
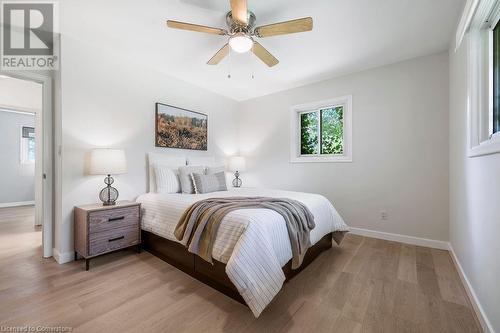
[{"x": 235, "y": 27}]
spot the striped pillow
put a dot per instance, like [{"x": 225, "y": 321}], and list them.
[
  {"x": 209, "y": 183},
  {"x": 167, "y": 180}
]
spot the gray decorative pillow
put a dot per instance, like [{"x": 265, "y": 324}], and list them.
[
  {"x": 185, "y": 172},
  {"x": 217, "y": 169},
  {"x": 209, "y": 183}
]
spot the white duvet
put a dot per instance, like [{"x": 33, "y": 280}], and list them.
[{"x": 253, "y": 243}]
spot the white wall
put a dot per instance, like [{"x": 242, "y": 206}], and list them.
[
  {"x": 400, "y": 147},
  {"x": 20, "y": 94},
  {"x": 17, "y": 180},
  {"x": 474, "y": 199},
  {"x": 108, "y": 100}
]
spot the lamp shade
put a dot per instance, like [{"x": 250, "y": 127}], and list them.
[
  {"x": 237, "y": 163},
  {"x": 107, "y": 162}
]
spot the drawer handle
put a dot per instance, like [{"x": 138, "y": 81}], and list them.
[
  {"x": 115, "y": 239},
  {"x": 111, "y": 219}
]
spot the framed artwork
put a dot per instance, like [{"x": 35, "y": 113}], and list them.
[{"x": 180, "y": 128}]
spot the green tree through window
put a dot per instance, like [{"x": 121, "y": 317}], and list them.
[
  {"x": 332, "y": 130},
  {"x": 309, "y": 133},
  {"x": 328, "y": 137}
]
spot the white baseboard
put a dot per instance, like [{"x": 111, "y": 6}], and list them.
[
  {"x": 435, "y": 244},
  {"x": 63, "y": 258},
  {"x": 15, "y": 204},
  {"x": 476, "y": 305}
]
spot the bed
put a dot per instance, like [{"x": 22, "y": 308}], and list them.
[{"x": 252, "y": 250}]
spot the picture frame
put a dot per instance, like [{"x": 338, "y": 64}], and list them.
[{"x": 180, "y": 128}]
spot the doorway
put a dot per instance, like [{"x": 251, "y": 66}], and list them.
[{"x": 26, "y": 160}]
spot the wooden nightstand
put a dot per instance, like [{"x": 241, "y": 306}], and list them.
[{"x": 102, "y": 229}]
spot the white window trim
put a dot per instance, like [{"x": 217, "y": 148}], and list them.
[
  {"x": 480, "y": 80},
  {"x": 295, "y": 156},
  {"x": 22, "y": 150}
]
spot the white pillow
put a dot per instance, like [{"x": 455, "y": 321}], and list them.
[{"x": 167, "y": 180}]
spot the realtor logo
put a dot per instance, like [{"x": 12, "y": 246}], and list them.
[{"x": 28, "y": 36}]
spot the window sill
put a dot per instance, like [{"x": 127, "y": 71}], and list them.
[
  {"x": 488, "y": 147},
  {"x": 321, "y": 159}
]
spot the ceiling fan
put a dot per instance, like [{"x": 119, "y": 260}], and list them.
[{"x": 241, "y": 31}]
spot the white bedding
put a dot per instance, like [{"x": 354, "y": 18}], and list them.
[{"x": 253, "y": 243}]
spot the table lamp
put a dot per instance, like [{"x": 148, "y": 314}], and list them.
[
  {"x": 108, "y": 162},
  {"x": 237, "y": 164}
]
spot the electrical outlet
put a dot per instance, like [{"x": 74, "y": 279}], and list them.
[{"x": 383, "y": 215}]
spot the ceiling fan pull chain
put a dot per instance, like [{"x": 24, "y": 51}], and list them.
[
  {"x": 252, "y": 65},
  {"x": 229, "y": 64}
]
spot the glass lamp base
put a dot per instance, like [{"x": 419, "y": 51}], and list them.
[
  {"x": 237, "y": 182},
  {"x": 109, "y": 194}
]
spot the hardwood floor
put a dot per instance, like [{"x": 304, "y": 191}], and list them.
[{"x": 367, "y": 285}]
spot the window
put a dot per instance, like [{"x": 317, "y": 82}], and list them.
[
  {"x": 496, "y": 80},
  {"x": 27, "y": 145},
  {"x": 321, "y": 131},
  {"x": 483, "y": 79}
]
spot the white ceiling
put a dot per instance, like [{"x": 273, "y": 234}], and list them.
[{"x": 348, "y": 36}]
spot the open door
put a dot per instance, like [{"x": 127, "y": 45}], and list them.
[{"x": 43, "y": 144}]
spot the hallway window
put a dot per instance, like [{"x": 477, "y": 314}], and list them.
[
  {"x": 496, "y": 79},
  {"x": 483, "y": 80},
  {"x": 27, "y": 145}
]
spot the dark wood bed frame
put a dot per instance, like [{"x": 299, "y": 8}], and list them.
[{"x": 215, "y": 275}]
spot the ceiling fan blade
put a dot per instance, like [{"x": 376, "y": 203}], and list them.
[
  {"x": 264, "y": 55},
  {"x": 283, "y": 28},
  {"x": 221, "y": 54},
  {"x": 195, "y": 27},
  {"x": 239, "y": 11}
]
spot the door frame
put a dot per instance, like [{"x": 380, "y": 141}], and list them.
[{"x": 44, "y": 175}]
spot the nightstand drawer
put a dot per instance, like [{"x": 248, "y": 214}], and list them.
[
  {"x": 111, "y": 219},
  {"x": 114, "y": 239}
]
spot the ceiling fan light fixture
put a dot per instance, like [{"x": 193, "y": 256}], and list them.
[{"x": 241, "y": 43}]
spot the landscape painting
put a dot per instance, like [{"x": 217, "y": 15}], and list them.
[{"x": 180, "y": 128}]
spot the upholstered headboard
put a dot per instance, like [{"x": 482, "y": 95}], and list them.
[
  {"x": 201, "y": 160},
  {"x": 162, "y": 159},
  {"x": 175, "y": 161}
]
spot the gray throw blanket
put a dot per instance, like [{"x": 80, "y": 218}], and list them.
[{"x": 200, "y": 222}]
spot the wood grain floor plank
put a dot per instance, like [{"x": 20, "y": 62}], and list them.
[
  {"x": 358, "y": 302},
  {"x": 443, "y": 264},
  {"x": 359, "y": 258},
  {"x": 451, "y": 290},
  {"x": 424, "y": 257},
  {"x": 449, "y": 282},
  {"x": 427, "y": 280},
  {"x": 405, "y": 302},
  {"x": 382, "y": 298},
  {"x": 346, "y": 325},
  {"x": 407, "y": 266}
]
